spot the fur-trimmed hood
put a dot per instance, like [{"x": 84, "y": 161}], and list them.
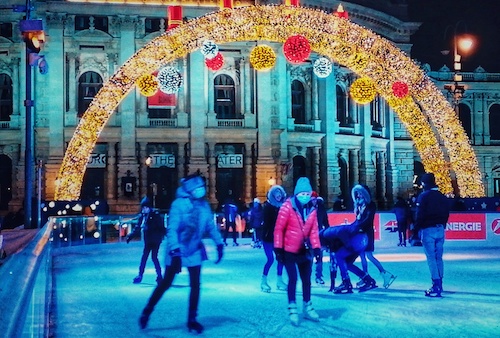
[
  {"x": 276, "y": 191},
  {"x": 363, "y": 190}
]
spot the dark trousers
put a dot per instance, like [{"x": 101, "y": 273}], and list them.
[
  {"x": 153, "y": 248},
  {"x": 194, "y": 295},
  {"x": 345, "y": 261},
  {"x": 293, "y": 262},
  {"x": 230, "y": 225},
  {"x": 268, "y": 250}
]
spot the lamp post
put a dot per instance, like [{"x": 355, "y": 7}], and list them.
[{"x": 465, "y": 43}]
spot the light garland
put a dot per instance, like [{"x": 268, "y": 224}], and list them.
[
  {"x": 147, "y": 84},
  {"x": 209, "y": 49},
  {"x": 262, "y": 57},
  {"x": 215, "y": 63},
  {"x": 169, "y": 79},
  {"x": 328, "y": 35},
  {"x": 322, "y": 67},
  {"x": 363, "y": 91},
  {"x": 296, "y": 49}
]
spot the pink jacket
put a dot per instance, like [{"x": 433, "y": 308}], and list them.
[{"x": 290, "y": 230}]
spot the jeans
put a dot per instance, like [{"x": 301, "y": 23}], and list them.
[
  {"x": 268, "y": 250},
  {"x": 293, "y": 262},
  {"x": 433, "y": 241},
  {"x": 153, "y": 248}
]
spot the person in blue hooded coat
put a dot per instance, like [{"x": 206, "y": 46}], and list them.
[{"x": 190, "y": 218}]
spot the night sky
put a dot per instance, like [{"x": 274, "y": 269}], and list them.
[{"x": 480, "y": 18}]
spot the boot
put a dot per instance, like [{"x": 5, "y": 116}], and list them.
[
  {"x": 143, "y": 320},
  {"x": 293, "y": 314},
  {"x": 345, "y": 287},
  {"x": 369, "y": 283},
  {"x": 333, "y": 275},
  {"x": 360, "y": 283},
  {"x": 193, "y": 325},
  {"x": 319, "y": 280},
  {"x": 137, "y": 279},
  {"x": 264, "y": 287},
  {"x": 388, "y": 278},
  {"x": 310, "y": 313},
  {"x": 435, "y": 290},
  {"x": 280, "y": 285}
]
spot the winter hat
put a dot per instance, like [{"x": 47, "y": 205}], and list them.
[
  {"x": 302, "y": 185},
  {"x": 429, "y": 180},
  {"x": 276, "y": 190},
  {"x": 314, "y": 194},
  {"x": 146, "y": 202},
  {"x": 363, "y": 190},
  {"x": 192, "y": 182}
]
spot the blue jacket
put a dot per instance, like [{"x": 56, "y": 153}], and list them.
[{"x": 189, "y": 220}]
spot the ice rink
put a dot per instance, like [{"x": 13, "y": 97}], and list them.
[{"x": 95, "y": 296}]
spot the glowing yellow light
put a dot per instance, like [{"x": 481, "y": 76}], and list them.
[
  {"x": 363, "y": 91},
  {"x": 262, "y": 57}
]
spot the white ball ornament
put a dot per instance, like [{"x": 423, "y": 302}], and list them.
[{"x": 322, "y": 67}]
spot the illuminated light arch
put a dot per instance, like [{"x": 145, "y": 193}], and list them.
[{"x": 422, "y": 111}]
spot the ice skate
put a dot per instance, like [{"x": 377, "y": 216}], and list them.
[
  {"x": 360, "y": 283},
  {"x": 235, "y": 244},
  {"x": 320, "y": 281},
  {"x": 293, "y": 314},
  {"x": 137, "y": 279},
  {"x": 264, "y": 287},
  {"x": 369, "y": 284},
  {"x": 345, "y": 287},
  {"x": 388, "y": 278},
  {"x": 193, "y": 325},
  {"x": 280, "y": 285},
  {"x": 435, "y": 290},
  {"x": 310, "y": 313}
]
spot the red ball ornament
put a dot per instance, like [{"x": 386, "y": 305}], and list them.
[
  {"x": 216, "y": 63},
  {"x": 296, "y": 49},
  {"x": 400, "y": 89}
]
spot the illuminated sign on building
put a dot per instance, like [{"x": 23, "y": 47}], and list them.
[
  {"x": 230, "y": 161},
  {"x": 97, "y": 161},
  {"x": 162, "y": 160}
]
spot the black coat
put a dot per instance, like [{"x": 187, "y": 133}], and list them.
[{"x": 153, "y": 230}]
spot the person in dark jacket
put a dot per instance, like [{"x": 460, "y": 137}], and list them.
[
  {"x": 402, "y": 211},
  {"x": 189, "y": 220},
  {"x": 230, "y": 213},
  {"x": 432, "y": 214},
  {"x": 318, "y": 203},
  {"x": 275, "y": 198},
  {"x": 255, "y": 222},
  {"x": 152, "y": 226}
]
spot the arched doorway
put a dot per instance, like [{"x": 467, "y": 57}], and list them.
[{"x": 5, "y": 181}]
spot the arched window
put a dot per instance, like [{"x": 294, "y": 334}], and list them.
[
  {"x": 341, "y": 107},
  {"x": 6, "y": 104},
  {"x": 224, "y": 91},
  {"x": 465, "y": 117},
  {"x": 375, "y": 114},
  {"x": 88, "y": 86},
  {"x": 298, "y": 102},
  {"x": 495, "y": 122}
]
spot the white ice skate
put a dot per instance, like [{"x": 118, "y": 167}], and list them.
[
  {"x": 264, "y": 287},
  {"x": 388, "y": 278},
  {"x": 310, "y": 313}
]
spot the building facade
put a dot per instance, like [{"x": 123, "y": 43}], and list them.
[{"x": 244, "y": 130}]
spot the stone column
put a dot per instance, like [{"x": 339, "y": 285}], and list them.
[
  {"x": 315, "y": 109},
  {"x": 380, "y": 194},
  {"x": 72, "y": 87},
  {"x": 212, "y": 174},
  {"x": 316, "y": 169},
  {"x": 182, "y": 116},
  {"x": 111, "y": 175},
  {"x": 248, "y": 172},
  {"x": 354, "y": 166}
]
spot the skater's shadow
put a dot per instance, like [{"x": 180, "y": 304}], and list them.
[{"x": 334, "y": 313}]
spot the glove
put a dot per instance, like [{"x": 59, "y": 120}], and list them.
[
  {"x": 128, "y": 239},
  {"x": 176, "y": 264},
  {"x": 280, "y": 255},
  {"x": 317, "y": 254},
  {"x": 220, "y": 249}
]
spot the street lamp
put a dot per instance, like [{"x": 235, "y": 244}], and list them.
[{"x": 464, "y": 44}]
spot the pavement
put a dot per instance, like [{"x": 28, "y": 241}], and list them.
[{"x": 94, "y": 296}]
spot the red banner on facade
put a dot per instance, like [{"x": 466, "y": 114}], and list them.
[{"x": 162, "y": 100}]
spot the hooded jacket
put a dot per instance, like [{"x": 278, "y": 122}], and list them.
[
  {"x": 188, "y": 221},
  {"x": 291, "y": 230}
]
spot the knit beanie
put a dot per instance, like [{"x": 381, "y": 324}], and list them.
[
  {"x": 303, "y": 185},
  {"x": 146, "y": 202},
  {"x": 191, "y": 182}
]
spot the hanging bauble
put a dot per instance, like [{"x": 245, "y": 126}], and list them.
[
  {"x": 262, "y": 57},
  {"x": 296, "y": 49},
  {"x": 215, "y": 63},
  {"x": 209, "y": 49},
  {"x": 170, "y": 80},
  {"x": 400, "y": 89},
  {"x": 322, "y": 67},
  {"x": 363, "y": 90},
  {"x": 147, "y": 84}
]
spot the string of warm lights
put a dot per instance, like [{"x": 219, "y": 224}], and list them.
[{"x": 335, "y": 37}]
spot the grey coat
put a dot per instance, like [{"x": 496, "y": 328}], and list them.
[{"x": 189, "y": 220}]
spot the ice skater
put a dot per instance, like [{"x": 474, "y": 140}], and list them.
[
  {"x": 190, "y": 218},
  {"x": 275, "y": 198},
  {"x": 295, "y": 236},
  {"x": 364, "y": 205}
]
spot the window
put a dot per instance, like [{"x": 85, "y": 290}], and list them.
[
  {"x": 159, "y": 113},
  {"x": 83, "y": 22},
  {"x": 6, "y": 103},
  {"x": 298, "y": 102},
  {"x": 88, "y": 86},
  {"x": 375, "y": 115},
  {"x": 152, "y": 25},
  {"x": 341, "y": 107},
  {"x": 224, "y": 91},
  {"x": 6, "y": 30},
  {"x": 465, "y": 117},
  {"x": 495, "y": 122}
]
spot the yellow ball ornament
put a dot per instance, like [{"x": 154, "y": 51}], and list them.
[
  {"x": 147, "y": 84},
  {"x": 363, "y": 90},
  {"x": 262, "y": 57}
]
